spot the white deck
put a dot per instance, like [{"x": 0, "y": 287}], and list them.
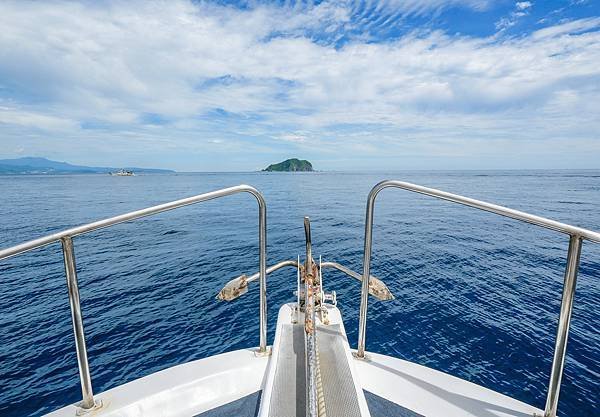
[
  {"x": 194, "y": 388},
  {"x": 184, "y": 390},
  {"x": 432, "y": 393},
  {"x": 284, "y": 393}
]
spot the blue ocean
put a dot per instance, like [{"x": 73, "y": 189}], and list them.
[{"x": 477, "y": 295}]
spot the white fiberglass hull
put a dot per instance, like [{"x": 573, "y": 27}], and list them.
[{"x": 238, "y": 384}]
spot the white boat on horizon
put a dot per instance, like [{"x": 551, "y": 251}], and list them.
[
  {"x": 310, "y": 370},
  {"x": 123, "y": 173}
]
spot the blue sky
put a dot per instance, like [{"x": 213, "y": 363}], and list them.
[{"x": 219, "y": 86}]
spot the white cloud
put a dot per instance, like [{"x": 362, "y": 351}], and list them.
[
  {"x": 215, "y": 69},
  {"x": 34, "y": 120},
  {"x": 420, "y": 7},
  {"x": 522, "y": 5},
  {"x": 574, "y": 27},
  {"x": 293, "y": 137},
  {"x": 521, "y": 10}
]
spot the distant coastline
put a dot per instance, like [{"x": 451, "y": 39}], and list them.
[{"x": 44, "y": 166}]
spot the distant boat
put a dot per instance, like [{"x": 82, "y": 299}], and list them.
[{"x": 123, "y": 173}]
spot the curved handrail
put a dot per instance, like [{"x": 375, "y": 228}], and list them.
[
  {"x": 577, "y": 235},
  {"x": 65, "y": 237},
  {"x": 89, "y": 227},
  {"x": 377, "y": 287},
  {"x": 239, "y": 286}
]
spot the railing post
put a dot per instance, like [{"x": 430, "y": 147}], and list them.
[
  {"x": 564, "y": 320},
  {"x": 364, "y": 294},
  {"x": 87, "y": 402},
  {"x": 262, "y": 248}
]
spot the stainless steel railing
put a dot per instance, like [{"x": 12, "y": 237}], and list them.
[
  {"x": 65, "y": 237},
  {"x": 576, "y": 236}
]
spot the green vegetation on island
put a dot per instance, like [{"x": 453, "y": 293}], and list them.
[{"x": 291, "y": 165}]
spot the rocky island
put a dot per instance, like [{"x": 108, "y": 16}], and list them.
[{"x": 291, "y": 165}]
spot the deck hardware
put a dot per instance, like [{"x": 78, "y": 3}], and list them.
[
  {"x": 576, "y": 236},
  {"x": 323, "y": 314},
  {"x": 262, "y": 353},
  {"x": 65, "y": 237},
  {"x": 377, "y": 288},
  {"x": 331, "y": 297},
  {"x": 310, "y": 275},
  {"x": 248, "y": 279},
  {"x": 98, "y": 404},
  {"x": 234, "y": 289}
]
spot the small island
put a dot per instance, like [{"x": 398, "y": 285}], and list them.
[{"x": 290, "y": 165}]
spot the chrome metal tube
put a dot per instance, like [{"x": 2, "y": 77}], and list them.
[
  {"x": 272, "y": 269},
  {"x": 308, "y": 244},
  {"x": 262, "y": 268},
  {"x": 237, "y": 287},
  {"x": 377, "y": 288},
  {"x": 482, "y": 205},
  {"x": 294, "y": 264},
  {"x": 562, "y": 333},
  {"x": 46, "y": 240},
  {"x": 86, "y": 228},
  {"x": 345, "y": 270},
  {"x": 82, "y": 359},
  {"x": 584, "y": 234},
  {"x": 364, "y": 291}
]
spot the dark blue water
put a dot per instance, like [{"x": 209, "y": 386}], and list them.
[{"x": 477, "y": 295}]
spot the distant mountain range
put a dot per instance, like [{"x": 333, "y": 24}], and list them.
[
  {"x": 31, "y": 165},
  {"x": 291, "y": 165}
]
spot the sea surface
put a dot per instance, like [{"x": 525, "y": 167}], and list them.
[{"x": 477, "y": 295}]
